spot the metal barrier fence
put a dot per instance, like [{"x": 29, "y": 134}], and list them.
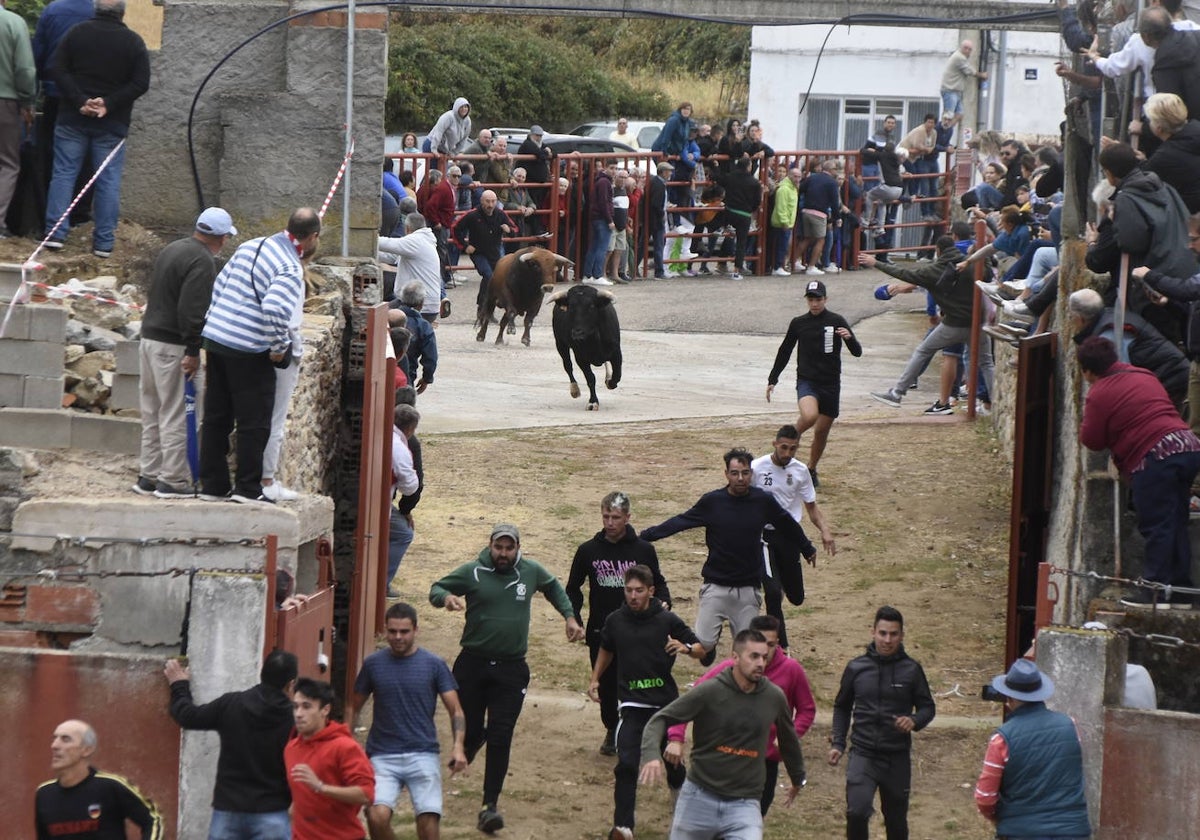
[{"x": 560, "y": 220}]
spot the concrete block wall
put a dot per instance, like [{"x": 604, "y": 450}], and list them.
[
  {"x": 31, "y": 356},
  {"x": 268, "y": 127},
  {"x": 127, "y": 380}
]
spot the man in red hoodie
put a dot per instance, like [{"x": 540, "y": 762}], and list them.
[
  {"x": 1128, "y": 412},
  {"x": 789, "y": 676},
  {"x": 329, "y": 774}
]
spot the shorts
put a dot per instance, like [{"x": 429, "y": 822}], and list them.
[
  {"x": 618, "y": 241},
  {"x": 956, "y": 350},
  {"x": 814, "y": 226},
  {"x": 421, "y": 773},
  {"x": 829, "y": 400}
]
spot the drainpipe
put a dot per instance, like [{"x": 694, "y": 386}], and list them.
[{"x": 350, "y": 17}]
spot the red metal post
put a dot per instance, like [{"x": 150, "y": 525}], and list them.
[{"x": 270, "y": 567}]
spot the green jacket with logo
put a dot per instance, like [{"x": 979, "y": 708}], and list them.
[{"x": 498, "y": 603}]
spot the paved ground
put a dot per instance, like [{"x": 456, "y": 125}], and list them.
[{"x": 693, "y": 347}]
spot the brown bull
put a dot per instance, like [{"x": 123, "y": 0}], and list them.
[{"x": 518, "y": 285}]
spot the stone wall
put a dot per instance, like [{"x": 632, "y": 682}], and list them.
[{"x": 267, "y": 129}]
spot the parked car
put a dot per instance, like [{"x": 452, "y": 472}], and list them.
[
  {"x": 562, "y": 144},
  {"x": 646, "y": 131}
]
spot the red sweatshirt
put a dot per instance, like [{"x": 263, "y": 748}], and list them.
[
  {"x": 1127, "y": 412},
  {"x": 338, "y": 761},
  {"x": 789, "y": 676}
]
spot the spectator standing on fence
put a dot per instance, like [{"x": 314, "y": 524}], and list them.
[
  {"x": 329, "y": 774},
  {"x": 743, "y": 195},
  {"x": 251, "y": 796},
  {"x": 180, "y": 291},
  {"x": 954, "y": 77},
  {"x": 82, "y": 801},
  {"x": 885, "y": 694},
  {"x": 1032, "y": 785},
  {"x": 674, "y": 134},
  {"x": 101, "y": 67},
  {"x": 452, "y": 132},
  {"x": 537, "y": 170},
  {"x": 601, "y": 562},
  {"x": 407, "y": 681},
  {"x": 1128, "y": 412},
  {"x": 496, "y": 591},
  {"x": 247, "y": 337}
]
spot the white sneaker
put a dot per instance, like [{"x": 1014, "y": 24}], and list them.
[
  {"x": 833, "y": 268},
  {"x": 276, "y": 492},
  {"x": 781, "y": 272},
  {"x": 597, "y": 281},
  {"x": 799, "y": 266},
  {"x": 812, "y": 269}
]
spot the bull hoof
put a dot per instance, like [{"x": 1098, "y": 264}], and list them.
[
  {"x": 479, "y": 337},
  {"x": 610, "y": 385},
  {"x": 593, "y": 406},
  {"x": 574, "y": 391},
  {"x": 525, "y": 340}
]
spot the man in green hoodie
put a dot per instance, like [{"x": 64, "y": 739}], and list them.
[
  {"x": 733, "y": 714},
  {"x": 496, "y": 590}
]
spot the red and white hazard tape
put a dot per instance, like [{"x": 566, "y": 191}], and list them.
[
  {"x": 337, "y": 182},
  {"x": 84, "y": 294}
]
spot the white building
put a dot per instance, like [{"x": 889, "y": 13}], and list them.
[{"x": 868, "y": 72}]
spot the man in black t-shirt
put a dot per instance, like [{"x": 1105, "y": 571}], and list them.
[
  {"x": 84, "y": 803},
  {"x": 818, "y": 336}
]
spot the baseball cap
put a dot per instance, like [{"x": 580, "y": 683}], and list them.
[
  {"x": 815, "y": 288},
  {"x": 537, "y": 129},
  {"x": 505, "y": 529},
  {"x": 215, "y": 222}
]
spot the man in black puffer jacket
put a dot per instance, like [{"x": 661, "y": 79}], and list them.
[
  {"x": 888, "y": 697},
  {"x": 1147, "y": 347}
]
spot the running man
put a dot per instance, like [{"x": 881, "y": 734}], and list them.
[{"x": 818, "y": 334}]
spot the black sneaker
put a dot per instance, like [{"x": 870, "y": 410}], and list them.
[
  {"x": 241, "y": 499},
  {"x": 54, "y": 244},
  {"x": 1144, "y": 599},
  {"x": 709, "y": 658},
  {"x": 609, "y": 747},
  {"x": 144, "y": 486},
  {"x": 166, "y": 491},
  {"x": 940, "y": 407},
  {"x": 489, "y": 821}
]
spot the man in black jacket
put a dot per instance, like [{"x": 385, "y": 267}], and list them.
[
  {"x": 1147, "y": 347},
  {"x": 1176, "y": 57},
  {"x": 733, "y": 519},
  {"x": 888, "y": 697},
  {"x": 656, "y": 208},
  {"x": 743, "y": 195},
  {"x": 602, "y": 562},
  {"x": 639, "y": 643},
  {"x": 101, "y": 67},
  {"x": 948, "y": 279},
  {"x": 480, "y": 234},
  {"x": 251, "y": 797}
]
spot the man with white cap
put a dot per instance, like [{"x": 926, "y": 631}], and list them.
[
  {"x": 169, "y": 352},
  {"x": 1031, "y": 785}
]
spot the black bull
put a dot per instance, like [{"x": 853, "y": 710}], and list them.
[{"x": 585, "y": 323}]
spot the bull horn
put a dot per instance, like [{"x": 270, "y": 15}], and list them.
[
  {"x": 526, "y": 256},
  {"x": 604, "y": 294},
  {"x": 559, "y": 259},
  {"x": 557, "y": 296}
]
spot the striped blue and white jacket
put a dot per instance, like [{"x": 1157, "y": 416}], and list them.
[{"x": 257, "y": 296}]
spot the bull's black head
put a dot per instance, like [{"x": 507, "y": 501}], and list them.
[{"x": 584, "y": 305}]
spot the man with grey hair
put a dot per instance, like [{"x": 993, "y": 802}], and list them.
[
  {"x": 101, "y": 67},
  {"x": 1146, "y": 346},
  {"x": 81, "y": 801},
  {"x": 954, "y": 77},
  {"x": 422, "y": 349},
  {"x": 415, "y": 256},
  {"x": 482, "y": 145},
  {"x": 521, "y": 205}
]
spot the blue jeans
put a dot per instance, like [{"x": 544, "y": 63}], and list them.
[
  {"x": 1161, "y": 490},
  {"x": 952, "y": 101},
  {"x": 485, "y": 268},
  {"x": 699, "y": 815},
  {"x": 1020, "y": 269},
  {"x": 658, "y": 241},
  {"x": 593, "y": 263},
  {"x": 236, "y": 825},
  {"x": 400, "y": 537},
  {"x": 71, "y": 149},
  {"x": 783, "y": 238}
]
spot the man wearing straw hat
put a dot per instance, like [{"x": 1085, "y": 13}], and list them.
[{"x": 1031, "y": 785}]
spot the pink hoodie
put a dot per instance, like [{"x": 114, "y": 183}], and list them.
[{"x": 789, "y": 676}]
